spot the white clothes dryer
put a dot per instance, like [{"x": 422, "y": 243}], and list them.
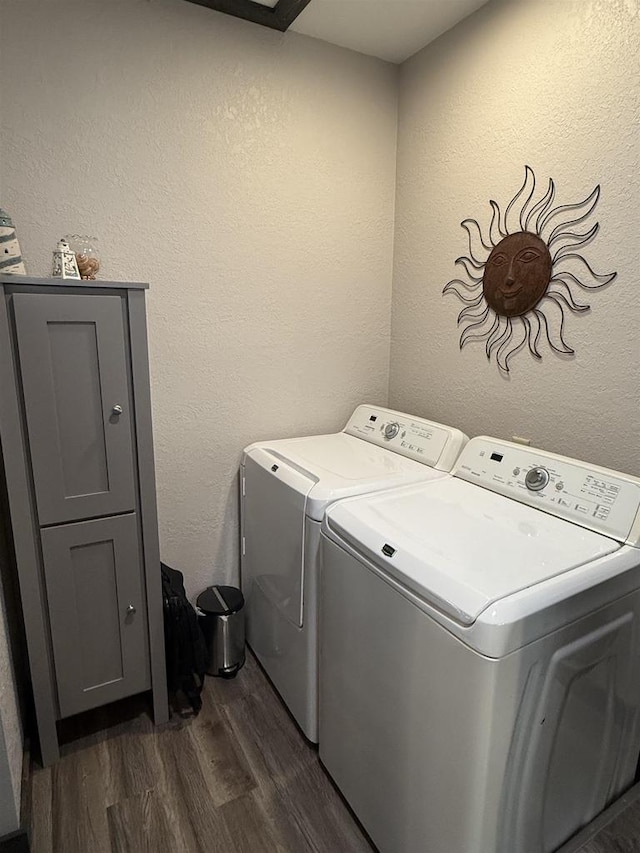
[
  {"x": 286, "y": 486},
  {"x": 480, "y": 652}
]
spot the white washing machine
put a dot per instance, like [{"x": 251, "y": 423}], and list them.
[
  {"x": 480, "y": 652},
  {"x": 286, "y": 486}
]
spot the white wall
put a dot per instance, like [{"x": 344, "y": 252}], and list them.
[
  {"x": 250, "y": 177},
  {"x": 554, "y": 84}
]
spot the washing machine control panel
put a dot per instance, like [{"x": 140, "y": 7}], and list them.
[
  {"x": 425, "y": 441},
  {"x": 602, "y": 500}
]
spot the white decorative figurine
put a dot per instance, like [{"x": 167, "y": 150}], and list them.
[
  {"x": 64, "y": 262},
  {"x": 10, "y": 256}
]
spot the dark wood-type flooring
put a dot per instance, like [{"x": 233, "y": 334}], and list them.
[{"x": 239, "y": 778}]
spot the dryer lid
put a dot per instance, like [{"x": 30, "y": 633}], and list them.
[
  {"x": 459, "y": 546},
  {"x": 341, "y": 465}
]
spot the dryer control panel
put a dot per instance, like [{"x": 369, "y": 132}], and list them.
[
  {"x": 425, "y": 441},
  {"x": 602, "y": 500}
]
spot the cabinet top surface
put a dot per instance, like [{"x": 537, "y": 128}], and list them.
[{"x": 26, "y": 280}]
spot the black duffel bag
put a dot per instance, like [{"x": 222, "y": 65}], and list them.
[{"x": 185, "y": 648}]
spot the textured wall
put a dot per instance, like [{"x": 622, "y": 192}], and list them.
[
  {"x": 554, "y": 84},
  {"x": 250, "y": 177}
]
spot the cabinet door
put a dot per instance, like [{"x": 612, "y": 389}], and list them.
[
  {"x": 74, "y": 375},
  {"x": 97, "y": 611}
]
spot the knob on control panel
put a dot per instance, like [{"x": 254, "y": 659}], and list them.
[
  {"x": 536, "y": 479},
  {"x": 391, "y": 430}
]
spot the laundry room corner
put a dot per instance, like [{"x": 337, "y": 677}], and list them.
[
  {"x": 552, "y": 86},
  {"x": 319, "y": 462}
]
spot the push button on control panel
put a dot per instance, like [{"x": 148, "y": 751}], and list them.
[{"x": 536, "y": 479}]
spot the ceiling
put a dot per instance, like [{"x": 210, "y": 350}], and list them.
[{"x": 390, "y": 29}]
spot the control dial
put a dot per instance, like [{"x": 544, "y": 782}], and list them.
[
  {"x": 536, "y": 479},
  {"x": 391, "y": 430}
]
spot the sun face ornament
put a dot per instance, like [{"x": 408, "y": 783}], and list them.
[{"x": 522, "y": 277}]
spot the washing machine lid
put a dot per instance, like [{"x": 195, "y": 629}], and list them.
[
  {"x": 461, "y": 547},
  {"x": 341, "y": 466}
]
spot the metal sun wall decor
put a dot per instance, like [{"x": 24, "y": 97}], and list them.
[{"x": 522, "y": 277}]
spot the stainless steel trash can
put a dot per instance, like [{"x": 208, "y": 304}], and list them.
[{"x": 221, "y": 618}]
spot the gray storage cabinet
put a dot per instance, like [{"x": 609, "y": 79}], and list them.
[{"x": 75, "y": 428}]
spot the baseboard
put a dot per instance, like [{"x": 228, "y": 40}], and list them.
[{"x": 15, "y": 842}]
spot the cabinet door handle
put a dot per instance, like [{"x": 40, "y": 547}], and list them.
[
  {"x": 117, "y": 410},
  {"x": 130, "y": 610}
]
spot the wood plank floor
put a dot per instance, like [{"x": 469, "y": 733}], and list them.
[{"x": 239, "y": 778}]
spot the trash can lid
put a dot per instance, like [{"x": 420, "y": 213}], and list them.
[{"x": 220, "y": 600}]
